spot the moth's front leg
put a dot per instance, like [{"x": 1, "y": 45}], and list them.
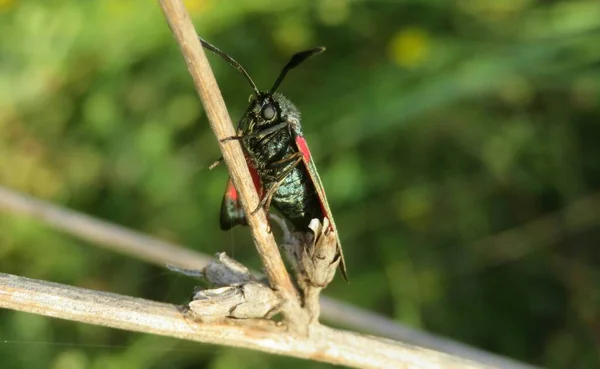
[
  {"x": 232, "y": 138},
  {"x": 292, "y": 160}
]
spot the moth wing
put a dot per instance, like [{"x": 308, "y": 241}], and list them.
[
  {"x": 316, "y": 180},
  {"x": 232, "y": 212}
]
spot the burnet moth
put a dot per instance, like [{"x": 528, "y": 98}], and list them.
[{"x": 278, "y": 157}]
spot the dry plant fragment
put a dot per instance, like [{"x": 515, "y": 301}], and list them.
[
  {"x": 226, "y": 271},
  {"x": 314, "y": 255},
  {"x": 247, "y": 301},
  {"x": 315, "y": 258},
  {"x": 219, "y": 272},
  {"x": 320, "y": 257},
  {"x": 238, "y": 294}
]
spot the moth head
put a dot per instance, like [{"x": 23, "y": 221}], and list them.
[
  {"x": 270, "y": 109},
  {"x": 265, "y": 110}
]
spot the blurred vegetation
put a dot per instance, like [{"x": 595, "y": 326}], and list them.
[{"x": 436, "y": 126}]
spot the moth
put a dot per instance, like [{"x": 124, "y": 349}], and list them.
[{"x": 278, "y": 157}]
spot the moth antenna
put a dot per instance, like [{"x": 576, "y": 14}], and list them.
[
  {"x": 295, "y": 61},
  {"x": 231, "y": 62}
]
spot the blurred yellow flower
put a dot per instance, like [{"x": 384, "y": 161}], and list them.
[
  {"x": 6, "y": 4},
  {"x": 410, "y": 47},
  {"x": 196, "y": 6}
]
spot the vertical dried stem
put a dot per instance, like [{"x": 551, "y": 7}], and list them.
[{"x": 206, "y": 85}]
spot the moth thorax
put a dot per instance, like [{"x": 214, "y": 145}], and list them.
[{"x": 286, "y": 108}]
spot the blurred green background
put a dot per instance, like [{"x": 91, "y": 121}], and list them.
[{"x": 458, "y": 142}]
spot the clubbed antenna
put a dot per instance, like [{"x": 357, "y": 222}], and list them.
[{"x": 296, "y": 60}]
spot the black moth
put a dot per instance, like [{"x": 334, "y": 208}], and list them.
[{"x": 278, "y": 157}]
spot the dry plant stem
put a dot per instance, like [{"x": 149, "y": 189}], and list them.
[
  {"x": 123, "y": 312},
  {"x": 206, "y": 85},
  {"x": 312, "y": 304},
  {"x": 315, "y": 260},
  {"x": 150, "y": 249}
]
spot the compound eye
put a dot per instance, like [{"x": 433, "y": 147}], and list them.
[{"x": 268, "y": 112}]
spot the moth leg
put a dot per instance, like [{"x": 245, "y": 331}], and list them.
[
  {"x": 265, "y": 202},
  {"x": 232, "y": 138},
  {"x": 239, "y": 134},
  {"x": 266, "y": 135},
  {"x": 287, "y": 160},
  {"x": 259, "y": 134},
  {"x": 268, "y": 131},
  {"x": 216, "y": 163}
]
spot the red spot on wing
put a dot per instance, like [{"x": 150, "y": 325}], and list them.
[
  {"x": 255, "y": 178},
  {"x": 310, "y": 167},
  {"x": 230, "y": 191},
  {"x": 303, "y": 147}
]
